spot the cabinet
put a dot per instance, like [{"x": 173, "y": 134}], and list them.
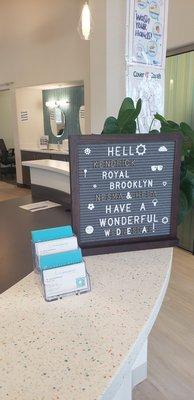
[
  {"x": 35, "y": 155},
  {"x": 60, "y": 157}
]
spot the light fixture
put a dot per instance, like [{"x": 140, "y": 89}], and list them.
[
  {"x": 85, "y": 23},
  {"x": 51, "y": 104},
  {"x": 63, "y": 103}
]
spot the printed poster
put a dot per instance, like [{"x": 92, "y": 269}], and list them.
[
  {"x": 147, "y": 84},
  {"x": 148, "y": 32}
]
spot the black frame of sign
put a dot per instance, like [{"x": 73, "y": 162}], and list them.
[{"x": 122, "y": 245}]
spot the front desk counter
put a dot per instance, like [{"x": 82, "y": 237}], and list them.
[
  {"x": 91, "y": 347},
  {"x": 50, "y": 180}
]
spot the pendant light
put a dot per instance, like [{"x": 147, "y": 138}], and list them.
[{"x": 85, "y": 24}]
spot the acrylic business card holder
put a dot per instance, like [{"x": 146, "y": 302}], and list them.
[
  {"x": 60, "y": 296},
  {"x": 35, "y": 260},
  {"x": 59, "y": 263}
]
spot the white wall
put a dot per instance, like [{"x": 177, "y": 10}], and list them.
[
  {"x": 107, "y": 60},
  {"x": 180, "y": 23},
  {"x": 30, "y": 100},
  {"x": 39, "y": 44},
  {"x": 6, "y": 131}
]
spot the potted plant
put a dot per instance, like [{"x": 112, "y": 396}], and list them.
[{"x": 127, "y": 123}]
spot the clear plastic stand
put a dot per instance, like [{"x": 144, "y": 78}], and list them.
[
  {"x": 62, "y": 295},
  {"x": 60, "y": 273}
]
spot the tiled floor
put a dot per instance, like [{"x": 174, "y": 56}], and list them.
[{"x": 8, "y": 192}]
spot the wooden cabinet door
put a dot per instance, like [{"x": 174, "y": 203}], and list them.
[{"x": 42, "y": 156}]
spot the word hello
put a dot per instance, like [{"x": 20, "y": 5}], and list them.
[{"x": 121, "y": 151}]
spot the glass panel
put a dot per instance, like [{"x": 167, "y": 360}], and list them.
[{"x": 179, "y": 99}]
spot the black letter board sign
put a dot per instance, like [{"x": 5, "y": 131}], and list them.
[{"x": 125, "y": 191}]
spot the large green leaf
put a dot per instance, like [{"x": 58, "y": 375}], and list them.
[
  {"x": 130, "y": 128},
  {"x": 189, "y": 163},
  {"x": 173, "y": 125},
  {"x": 127, "y": 104},
  {"x": 183, "y": 207},
  {"x": 187, "y": 131},
  {"x": 166, "y": 125},
  {"x": 183, "y": 170},
  {"x": 160, "y": 118},
  {"x": 169, "y": 127},
  {"x": 128, "y": 114},
  {"x": 185, "y": 148},
  {"x": 111, "y": 127},
  {"x": 138, "y": 108},
  {"x": 187, "y": 186},
  {"x": 126, "y": 117},
  {"x": 154, "y": 132}
]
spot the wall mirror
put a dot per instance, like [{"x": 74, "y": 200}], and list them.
[
  {"x": 57, "y": 121},
  {"x": 63, "y": 112}
]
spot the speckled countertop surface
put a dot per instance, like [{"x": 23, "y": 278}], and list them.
[
  {"x": 61, "y": 167},
  {"x": 70, "y": 349}
]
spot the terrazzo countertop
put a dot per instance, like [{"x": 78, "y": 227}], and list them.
[{"x": 71, "y": 349}]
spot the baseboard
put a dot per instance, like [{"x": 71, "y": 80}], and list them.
[{"x": 23, "y": 186}]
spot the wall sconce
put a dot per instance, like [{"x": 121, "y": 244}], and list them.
[
  {"x": 51, "y": 104},
  {"x": 63, "y": 103},
  {"x": 85, "y": 23}
]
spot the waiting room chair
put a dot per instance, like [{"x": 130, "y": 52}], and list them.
[{"x": 7, "y": 157}]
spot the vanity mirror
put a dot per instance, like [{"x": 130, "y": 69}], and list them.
[
  {"x": 63, "y": 112},
  {"x": 57, "y": 121},
  {"x": 57, "y": 117}
]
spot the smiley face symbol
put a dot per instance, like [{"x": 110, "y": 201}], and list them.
[{"x": 89, "y": 230}]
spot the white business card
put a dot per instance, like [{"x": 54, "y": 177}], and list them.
[
  {"x": 56, "y": 246},
  {"x": 63, "y": 280}
]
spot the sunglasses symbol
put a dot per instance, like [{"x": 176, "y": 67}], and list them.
[{"x": 155, "y": 168}]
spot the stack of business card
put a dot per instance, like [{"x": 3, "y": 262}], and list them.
[
  {"x": 59, "y": 260},
  {"x": 51, "y": 241}
]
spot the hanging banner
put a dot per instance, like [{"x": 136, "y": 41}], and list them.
[{"x": 147, "y": 36}]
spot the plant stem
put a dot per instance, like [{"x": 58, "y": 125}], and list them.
[
  {"x": 138, "y": 126},
  {"x": 151, "y": 125}
]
